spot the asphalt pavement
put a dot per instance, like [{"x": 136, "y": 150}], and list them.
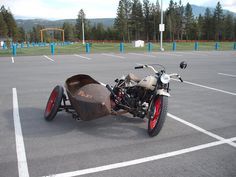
[{"x": 198, "y": 138}]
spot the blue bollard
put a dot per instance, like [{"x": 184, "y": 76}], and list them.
[
  {"x": 149, "y": 47},
  {"x": 235, "y": 46},
  {"x": 22, "y": 45},
  {"x": 14, "y": 50},
  {"x": 174, "y": 46},
  {"x": 196, "y": 46},
  {"x": 28, "y": 45},
  {"x": 4, "y": 46},
  {"x": 121, "y": 47},
  {"x": 87, "y": 47},
  {"x": 217, "y": 46},
  {"x": 52, "y": 48}
]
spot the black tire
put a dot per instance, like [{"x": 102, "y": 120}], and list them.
[
  {"x": 156, "y": 122},
  {"x": 54, "y": 103}
]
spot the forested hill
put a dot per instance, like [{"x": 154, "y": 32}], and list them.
[
  {"x": 197, "y": 10},
  {"x": 30, "y": 23},
  {"x": 107, "y": 22}
]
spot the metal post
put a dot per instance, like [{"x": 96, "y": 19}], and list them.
[
  {"x": 149, "y": 47},
  {"x": 52, "y": 48},
  {"x": 174, "y": 46},
  {"x": 87, "y": 48},
  {"x": 216, "y": 46},
  {"x": 121, "y": 47},
  {"x": 83, "y": 31},
  {"x": 235, "y": 46},
  {"x": 4, "y": 45},
  {"x": 161, "y": 35},
  {"x": 14, "y": 49},
  {"x": 196, "y": 46}
]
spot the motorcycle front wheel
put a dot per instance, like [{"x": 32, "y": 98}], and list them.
[{"x": 157, "y": 114}]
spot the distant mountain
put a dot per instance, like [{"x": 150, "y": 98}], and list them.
[
  {"x": 28, "y": 24},
  {"x": 197, "y": 10}
]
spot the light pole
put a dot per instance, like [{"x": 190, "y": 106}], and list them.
[
  {"x": 161, "y": 28},
  {"x": 83, "y": 30}
]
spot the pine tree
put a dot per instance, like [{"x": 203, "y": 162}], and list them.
[
  {"x": 200, "y": 22},
  {"x": 207, "y": 26},
  {"x": 10, "y": 22},
  {"x": 155, "y": 17},
  {"x": 21, "y": 34},
  {"x": 78, "y": 26},
  {"x": 137, "y": 19},
  {"x": 229, "y": 27},
  {"x": 3, "y": 26},
  {"x": 147, "y": 18},
  {"x": 189, "y": 21},
  {"x": 218, "y": 21},
  {"x": 120, "y": 22},
  {"x": 68, "y": 30}
]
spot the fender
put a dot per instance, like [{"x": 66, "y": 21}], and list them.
[{"x": 162, "y": 92}]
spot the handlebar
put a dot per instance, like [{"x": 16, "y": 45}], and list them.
[
  {"x": 138, "y": 67},
  {"x": 174, "y": 75},
  {"x": 146, "y": 66}
]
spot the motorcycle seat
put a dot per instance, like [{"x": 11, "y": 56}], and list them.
[{"x": 132, "y": 77}]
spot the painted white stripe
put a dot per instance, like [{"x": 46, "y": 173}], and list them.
[
  {"x": 145, "y": 55},
  {"x": 139, "y": 161},
  {"x": 210, "y": 88},
  {"x": 192, "y": 53},
  {"x": 111, "y": 55},
  {"x": 82, "y": 57},
  {"x": 48, "y": 58},
  {"x": 171, "y": 54},
  {"x": 12, "y": 60},
  {"x": 20, "y": 147},
  {"x": 230, "y": 75},
  {"x": 200, "y": 129}
]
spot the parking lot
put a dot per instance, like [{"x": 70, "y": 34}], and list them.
[{"x": 198, "y": 138}]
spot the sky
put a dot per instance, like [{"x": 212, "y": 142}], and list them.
[{"x": 68, "y": 9}]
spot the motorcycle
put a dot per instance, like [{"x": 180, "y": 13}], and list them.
[{"x": 141, "y": 97}]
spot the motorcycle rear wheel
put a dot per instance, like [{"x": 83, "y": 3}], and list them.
[
  {"x": 157, "y": 115},
  {"x": 54, "y": 103}
]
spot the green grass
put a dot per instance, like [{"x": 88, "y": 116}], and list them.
[{"x": 78, "y": 48}]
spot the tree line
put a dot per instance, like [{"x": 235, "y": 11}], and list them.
[{"x": 134, "y": 20}]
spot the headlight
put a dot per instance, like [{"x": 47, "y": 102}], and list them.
[{"x": 165, "y": 78}]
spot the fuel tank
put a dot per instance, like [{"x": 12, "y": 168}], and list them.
[{"x": 148, "y": 82}]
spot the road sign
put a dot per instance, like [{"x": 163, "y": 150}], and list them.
[{"x": 161, "y": 27}]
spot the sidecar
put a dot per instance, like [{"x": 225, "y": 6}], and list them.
[{"x": 86, "y": 99}]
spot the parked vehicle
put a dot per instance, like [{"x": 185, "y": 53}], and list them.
[{"x": 142, "y": 97}]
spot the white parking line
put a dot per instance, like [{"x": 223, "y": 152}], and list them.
[
  {"x": 48, "y": 58},
  {"x": 210, "y": 88},
  {"x": 141, "y": 160},
  {"x": 200, "y": 129},
  {"x": 145, "y": 55},
  {"x": 12, "y": 60},
  {"x": 112, "y": 55},
  {"x": 20, "y": 147},
  {"x": 193, "y": 53},
  {"x": 230, "y": 75},
  {"x": 82, "y": 57},
  {"x": 171, "y": 54}
]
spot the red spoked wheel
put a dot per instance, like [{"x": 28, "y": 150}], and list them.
[
  {"x": 157, "y": 115},
  {"x": 54, "y": 103}
]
